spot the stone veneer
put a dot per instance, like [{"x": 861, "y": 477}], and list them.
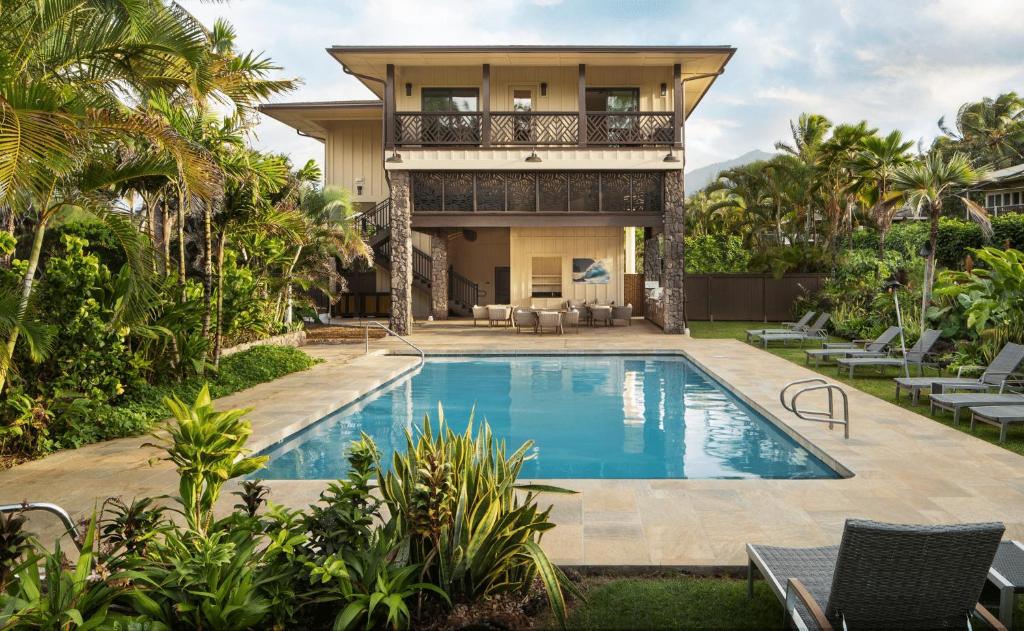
[
  {"x": 674, "y": 261},
  {"x": 439, "y": 276},
  {"x": 401, "y": 252}
]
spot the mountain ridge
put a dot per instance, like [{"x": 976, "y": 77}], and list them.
[{"x": 697, "y": 179}]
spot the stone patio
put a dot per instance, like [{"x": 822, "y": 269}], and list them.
[{"x": 906, "y": 468}]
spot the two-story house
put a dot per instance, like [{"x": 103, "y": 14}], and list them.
[
  {"x": 1004, "y": 190},
  {"x": 513, "y": 174}
]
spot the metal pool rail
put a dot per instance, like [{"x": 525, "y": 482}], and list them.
[
  {"x": 366, "y": 330},
  {"x": 819, "y": 416}
]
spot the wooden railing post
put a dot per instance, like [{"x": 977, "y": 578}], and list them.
[
  {"x": 679, "y": 122},
  {"x": 389, "y": 107},
  {"x": 582, "y": 131},
  {"x": 486, "y": 106}
]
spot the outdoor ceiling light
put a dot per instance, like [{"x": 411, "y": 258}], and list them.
[
  {"x": 670, "y": 157},
  {"x": 396, "y": 158},
  {"x": 533, "y": 157}
]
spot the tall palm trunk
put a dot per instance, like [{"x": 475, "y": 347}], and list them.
[
  {"x": 182, "y": 197},
  {"x": 165, "y": 234},
  {"x": 26, "y": 292},
  {"x": 207, "y": 268},
  {"x": 929, "y": 266},
  {"x": 219, "y": 330}
]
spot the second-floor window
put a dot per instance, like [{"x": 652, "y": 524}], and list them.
[
  {"x": 613, "y": 99},
  {"x": 450, "y": 99}
]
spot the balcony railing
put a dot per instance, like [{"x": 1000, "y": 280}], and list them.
[
  {"x": 607, "y": 129},
  {"x": 995, "y": 211}
]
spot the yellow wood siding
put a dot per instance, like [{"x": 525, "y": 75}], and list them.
[
  {"x": 477, "y": 259},
  {"x": 566, "y": 243},
  {"x": 354, "y": 151},
  {"x": 562, "y": 92}
]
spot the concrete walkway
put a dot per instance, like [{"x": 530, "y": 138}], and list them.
[{"x": 906, "y": 468}]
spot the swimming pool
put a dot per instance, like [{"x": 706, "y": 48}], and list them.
[{"x": 594, "y": 416}]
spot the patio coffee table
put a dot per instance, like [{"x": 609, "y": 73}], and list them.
[{"x": 1007, "y": 574}]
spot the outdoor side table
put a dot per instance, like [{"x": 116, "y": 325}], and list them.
[{"x": 1007, "y": 573}]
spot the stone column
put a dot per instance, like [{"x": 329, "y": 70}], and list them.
[
  {"x": 652, "y": 256},
  {"x": 439, "y": 275},
  {"x": 401, "y": 253},
  {"x": 673, "y": 266}
]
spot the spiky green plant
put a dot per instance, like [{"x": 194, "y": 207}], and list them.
[{"x": 472, "y": 527}]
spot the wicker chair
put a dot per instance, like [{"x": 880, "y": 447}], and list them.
[
  {"x": 600, "y": 314},
  {"x": 571, "y": 318},
  {"x": 524, "y": 318},
  {"x": 549, "y": 320},
  {"x": 498, "y": 315},
  {"x": 622, "y": 313},
  {"x": 479, "y": 313},
  {"x": 884, "y": 576}
]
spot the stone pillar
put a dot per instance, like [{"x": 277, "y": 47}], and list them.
[
  {"x": 439, "y": 276},
  {"x": 401, "y": 253},
  {"x": 673, "y": 266},
  {"x": 652, "y": 256}
]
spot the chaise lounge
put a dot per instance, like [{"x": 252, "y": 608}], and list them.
[
  {"x": 815, "y": 331},
  {"x": 884, "y": 576},
  {"x": 917, "y": 355},
  {"x": 999, "y": 373},
  {"x": 857, "y": 348},
  {"x": 956, "y": 401},
  {"x": 1002, "y": 416},
  {"x": 799, "y": 325}
]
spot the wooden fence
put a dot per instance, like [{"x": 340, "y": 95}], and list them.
[{"x": 755, "y": 297}]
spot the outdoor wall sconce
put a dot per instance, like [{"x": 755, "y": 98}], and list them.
[
  {"x": 533, "y": 157},
  {"x": 359, "y": 186},
  {"x": 670, "y": 157},
  {"x": 408, "y": 89},
  {"x": 544, "y": 89},
  {"x": 664, "y": 89},
  {"x": 396, "y": 158}
]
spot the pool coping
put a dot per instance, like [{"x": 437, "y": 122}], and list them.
[{"x": 843, "y": 472}]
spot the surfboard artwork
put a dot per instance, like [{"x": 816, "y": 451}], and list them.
[{"x": 590, "y": 271}]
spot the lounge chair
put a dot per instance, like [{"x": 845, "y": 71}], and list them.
[
  {"x": 524, "y": 318},
  {"x": 884, "y": 576},
  {"x": 571, "y": 318},
  {"x": 956, "y": 401},
  {"x": 498, "y": 315},
  {"x": 917, "y": 355},
  {"x": 623, "y": 312},
  {"x": 549, "y": 320},
  {"x": 998, "y": 374},
  {"x": 479, "y": 313},
  {"x": 799, "y": 325},
  {"x": 857, "y": 348},
  {"x": 1002, "y": 416},
  {"x": 815, "y": 331}
]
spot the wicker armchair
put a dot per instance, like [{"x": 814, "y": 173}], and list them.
[
  {"x": 524, "y": 318},
  {"x": 479, "y": 313},
  {"x": 884, "y": 576},
  {"x": 622, "y": 313},
  {"x": 571, "y": 318},
  {"x": 549, "y": 320},
  {"x": 600, "y": 314},
  {"x": 498, "y": 315}
]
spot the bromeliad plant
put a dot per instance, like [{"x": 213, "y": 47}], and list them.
[{"x": 473, "y": 528}]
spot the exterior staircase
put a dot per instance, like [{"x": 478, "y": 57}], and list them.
[{"x": 375, "y": 225}]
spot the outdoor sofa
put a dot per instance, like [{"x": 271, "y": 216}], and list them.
[{"x": 884, "y": 576}]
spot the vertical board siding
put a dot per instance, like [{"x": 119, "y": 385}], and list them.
[
  {"x": 567, "y": 243},
  {"x": 354, "y": 150},
  {"x": 756, "y": 297}
]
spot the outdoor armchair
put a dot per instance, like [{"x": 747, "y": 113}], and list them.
[
  {"x": 524, "y": 318},
  {"x": 549, "y": 320},
  {"x": 600, "y": 314},
  {"x": 884, "y": 576},
  {"x": 479, "y": 313},
  {"x": 498, "y": 315},
  {"x": 623, "y": 312},
  {"x": 571, "y": 318}
]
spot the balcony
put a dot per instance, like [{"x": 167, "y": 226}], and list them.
[{"x": 504, "y": 129}]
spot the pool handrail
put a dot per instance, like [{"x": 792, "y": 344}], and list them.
[
  {"x": 819, "y": 416},
  {"x": 365, "y": 325},
  {"x": 47, "y": 507}
]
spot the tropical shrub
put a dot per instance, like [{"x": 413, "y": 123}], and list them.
[
  {"x": 709, "y": 253},
  {"x": 472, "y": 527}
]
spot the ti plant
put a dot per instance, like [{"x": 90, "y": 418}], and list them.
[
  {"x": 253, "y": 495},
  {"x": 14, "y": 545},
  {"x": 134, "y": 525},
  {"x": 475, "y": 531},
  {"x": 208, "y": 449}
]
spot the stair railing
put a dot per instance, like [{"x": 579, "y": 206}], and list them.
[
  {"x": 461, "y": 289},
  {"x": 421, "y": 265},
  {"x": 376, "y": 219}
]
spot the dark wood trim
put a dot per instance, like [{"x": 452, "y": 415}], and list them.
[
  {"x": 533, "y": 220},
  {"x": 582, "y": 98},
  {"x": 677, "y": 105},
  {"x": 485, "y": 106},
  {"x": 389, "y": 108}
]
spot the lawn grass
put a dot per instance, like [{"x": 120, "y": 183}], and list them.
[
  {"x": 675, "y": 603},
  {"x": 880, "y": 386}
]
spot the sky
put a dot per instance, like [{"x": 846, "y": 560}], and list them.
[{"x": 898, "y": 64}]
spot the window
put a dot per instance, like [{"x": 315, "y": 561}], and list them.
[
  {"x": 546, "y": 277},
  {"x": 522, "y": 100},
  {"x": 1016, "y": 198},
  {"x": 990, "y": 201},
  {"x": 613, "y": 99},
  {"x": 450, "y": 99},
  {"x": 522, "y": 126}
]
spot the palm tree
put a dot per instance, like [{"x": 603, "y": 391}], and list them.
[
  {"x": 809, "y": 134},
  {"x": 69, "y": 68},
  {"x": 991, "y": 131},
  {"x": 875, "y": 164},
  {"x": 839, "y": 185},
  {"x": 925, "y": 185}
]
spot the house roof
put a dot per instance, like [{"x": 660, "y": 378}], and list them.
[
  {"x": 309, "y": 117},
  {"x": 1009, "y": 175},
  {"x": 701, "y": 64}
]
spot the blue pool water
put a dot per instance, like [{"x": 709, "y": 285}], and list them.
[{"x": 589, "y": 417}]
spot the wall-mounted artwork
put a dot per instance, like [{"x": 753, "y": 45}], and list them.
[{"x": 590, "y": 271}]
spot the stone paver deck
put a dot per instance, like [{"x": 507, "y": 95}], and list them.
[{"x": 906, "y": 468}]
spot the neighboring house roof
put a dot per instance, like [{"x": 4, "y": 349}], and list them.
[
  {"x": 309, "y": 117},
  {"x": 701, "y": 64},
  {"x": 1003, "y": 177}
]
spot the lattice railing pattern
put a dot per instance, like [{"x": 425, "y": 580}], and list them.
[
  {"x": 438, "y": 128},
  {"x": 534, "y": 128},
  {"x": 630, "y": 128},
  {"x": 538, "y": 191}
]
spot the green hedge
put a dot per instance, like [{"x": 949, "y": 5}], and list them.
[{"x": 955, "y": 237}]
